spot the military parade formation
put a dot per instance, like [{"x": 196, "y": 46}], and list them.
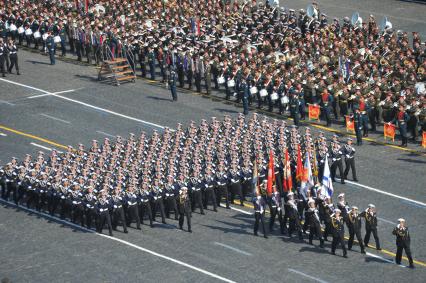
[
  {"x": 258, "y": 53},
  {"x": 126, "y": 181}
]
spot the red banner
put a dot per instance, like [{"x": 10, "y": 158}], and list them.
[
  {"x": 299, "y": 165},
  {"x": 314, "y": 112},
  {"x": 389, "y": 131},
  {"x": 271, "y": 174},
  {"x": 424, "y": 139},
  {"x": 350, "y": 125},
  {"x": 287, "y": 178}
]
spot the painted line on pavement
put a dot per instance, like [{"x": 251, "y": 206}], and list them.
[
  {"x": 385, "y": 193},
  {"x": 386, "y": 221},
  {"x": 232, "y": 248},
  {"x": 384, "y": 259},
  {"x": 7, "y": 102},
  {"x": 54, "y": 118},
  {"x": 208, "y": 273},
  {"x": 87, "y": 104},
  {"x": 3, "y": 135},
  {"x": 105, "y": 134},
  {"x": 40, "y": 146},
  {"x": 47, "y": 94},
  {"x": 241, "y": 210},
  {"x": 413, "y": 204},
  {"x": 32, "y": 137},
  {"x": 306, "y": 275}
]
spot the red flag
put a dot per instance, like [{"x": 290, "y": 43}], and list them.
[
  {"x": 299, "y": 165},
  {"x": 287, "y": 179},
  {"x": 86, "y": 6},
  {"x": 198, "y": 27},
  {"x": 271, "y": 174}
]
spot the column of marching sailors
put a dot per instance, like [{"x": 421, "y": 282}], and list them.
[{"x": 121, "y": 182}]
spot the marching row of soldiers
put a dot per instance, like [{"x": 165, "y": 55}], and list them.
[
  {"x": 262, "y": 54},
  {"x": 178, "y": 172}
]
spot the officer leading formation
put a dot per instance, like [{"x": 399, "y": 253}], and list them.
[{"x": 119, "y": 183}]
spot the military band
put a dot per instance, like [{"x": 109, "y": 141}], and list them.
[{"x": 255, "y": 52}]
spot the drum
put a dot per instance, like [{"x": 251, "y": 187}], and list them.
[
  {"x": 37, "y": 35},
  {"x": 253, "y": 90},
  {"x": 57, "y": 39},
  {"x": 221, "y": 80},
  {"x": 231, "y": 83},
  {"x": 263, "y": 92},
  {"x": 274, "y": 96},
  {"x": 21, "y": 30},
  {"x": 28, "y": 32},
  {"x": 284, "y": 100},
  {"x": 12, "y": 28},
  {"x": 44, "y": 36}
]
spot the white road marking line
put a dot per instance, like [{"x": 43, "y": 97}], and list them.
[
  {"x": 41, "y": 146},
  {"x": 54, "y": 118},
  {"x": 47, "y": 94},
  {"x": 386, "y": 221},
  {"x": 124, "y": 242},
  {"x": 241, "y": 210},
  {"x": 7, "y": 102},
  {"x": 87, "y": 104},
  {"x": 3, "y": 135},
  {"x": 306, "y": 275},
  {"x": 385, "y": 193},
  {"x": 384, "y": 259},
  {"x": 105, "y": 134},
  {"x": 232, "y": 248}
]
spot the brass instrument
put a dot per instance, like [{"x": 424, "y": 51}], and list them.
[
  {"x": 384, "y": 62},
  {"x": 183, "y": 196},
  {"x": 324, "y": 59},
  {"x": 335, "y": 222},
  {"x": 421, "y": 70}
]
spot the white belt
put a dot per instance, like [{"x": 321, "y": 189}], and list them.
[
  {"x": 131, "y": 203},
  {"x": 103, "y": 209}
]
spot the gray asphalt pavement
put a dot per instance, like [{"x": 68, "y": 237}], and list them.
[{"x": 36, "y": 248}]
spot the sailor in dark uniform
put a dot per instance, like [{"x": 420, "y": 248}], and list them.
[
  {"x": 170, "y": 192},
  {"x": 196, "y": 194},
  {"x": 370, "y": 225},
  {"x": 402, "y": 242},
  {"x": 314, "y": 223},
  {"x": 293, "y": 215},
  {"x": 349, "y": 153},
  {"x": 355, "y": 225},
  {"x": 89, "y": 201},
  {"x": 117, "y": 209},
  {"x": 209, "y": 191},
  {"x": 145, "y": 204},
  {"x": 338, "y": 232},
  {"x": 75, "y": 198},
  {"x": 103, "y": 206},
  {"x": 336, "y": 158},
  {"x": 275, "y": 208},
  {"x": 259, "y": 211},
  {"x": 184, "y": 208},
  {"x": 157, "y": 201},
  {"x": 13, "y": 55},
  {"x": 172, "y": 83},
  {"x": 235, "y": 184}
]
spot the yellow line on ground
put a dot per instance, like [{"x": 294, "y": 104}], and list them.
[
  {"x": 32, "y": 137},
  {"x": 246, "y": 204}
]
